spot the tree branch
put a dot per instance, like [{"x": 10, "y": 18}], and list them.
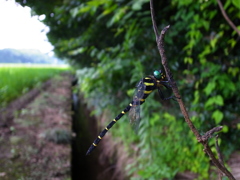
[
  {"x": 202, "y": 139},
  {"x": 227, "y": 18},
  {"x": 220, "y": 174}
]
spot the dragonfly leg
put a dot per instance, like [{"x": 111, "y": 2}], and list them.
[{"x": 162, "y": 96}]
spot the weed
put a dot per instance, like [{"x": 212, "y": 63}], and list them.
[{"x": 59, "y": 136}]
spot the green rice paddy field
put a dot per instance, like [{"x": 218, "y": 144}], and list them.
[{"x": 17, "y": 79}]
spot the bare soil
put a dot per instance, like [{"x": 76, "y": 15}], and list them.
[{"x": 35, "y": 133}]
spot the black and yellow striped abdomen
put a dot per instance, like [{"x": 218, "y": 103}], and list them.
[{"x": 149, "y": 85}]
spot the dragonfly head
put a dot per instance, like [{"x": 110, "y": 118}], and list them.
[{"x": 158, "y": 74}]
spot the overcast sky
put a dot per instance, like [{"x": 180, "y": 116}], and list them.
[{"x": 19, "y": 30}]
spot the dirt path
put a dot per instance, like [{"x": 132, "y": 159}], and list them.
[
  {"x": 234, "y": 164},
  {"x": 36, "y": 143}
]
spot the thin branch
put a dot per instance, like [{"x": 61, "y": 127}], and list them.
[
  {"x": 204, "y": 139},
  {"x": 227, "y": 18},
  {"x": 220, "y": 174},
  {"x": 218, "y": 151},
  {"x": 153, "y": 19},
  {"x": 209, "y": 133}
]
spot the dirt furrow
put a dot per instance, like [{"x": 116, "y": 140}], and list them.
[{"x": 36, "y": 144}]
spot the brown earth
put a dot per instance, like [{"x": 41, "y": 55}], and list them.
[
  {"x": 35, "y": 133},
  {"x": 234, "y": 164}
]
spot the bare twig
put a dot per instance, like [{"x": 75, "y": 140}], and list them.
[
  {"x": 227, "y": 18},
  {"x": 209, "y": 133},
  {"x": 201, "y": 139},
  {"x": 153, "y": 19},
  {"x": 220, "y": 175},
  {"x": 218, "y": 151}
]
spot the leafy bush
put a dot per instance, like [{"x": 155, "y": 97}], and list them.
[{"x": 59, "y": 136}]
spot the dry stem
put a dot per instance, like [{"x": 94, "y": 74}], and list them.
[
  {"x": 227, "y": 18},
  {"x": 220, "y": 174}
]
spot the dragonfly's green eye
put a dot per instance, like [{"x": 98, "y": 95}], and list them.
[{"x": 157, "y": 74}]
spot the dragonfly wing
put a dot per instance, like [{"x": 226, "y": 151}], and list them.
[{"x": 134, "y": 113}]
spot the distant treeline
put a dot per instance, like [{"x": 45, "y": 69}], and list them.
[{"x": 26, "y": 56}]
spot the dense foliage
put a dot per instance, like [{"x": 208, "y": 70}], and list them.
[{"x": 113, "y": 44}]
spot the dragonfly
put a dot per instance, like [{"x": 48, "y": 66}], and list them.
[{"x": 143, "y": 89}]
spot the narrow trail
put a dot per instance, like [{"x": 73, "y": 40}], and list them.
[
  {"x": 234, "y": 164},
  {"x": 36, "y": 139}
]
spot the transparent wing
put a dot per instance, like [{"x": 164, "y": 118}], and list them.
[{"x": 134, "y": 113}]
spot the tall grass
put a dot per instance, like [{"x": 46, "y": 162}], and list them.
[{"x": 16, "y": 80}]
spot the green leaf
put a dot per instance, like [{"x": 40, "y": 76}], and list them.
[
  {"x": 119, "y": 14},
  {"x": 206, "y": 24},
  {"x": 169, "y": 117},
  {"x": 219, "y": 100},
  {"x": 209, "y": 88},
  {"x": 109, "y": 10},
  {"x": 215, "y": 100},
  {"x": 236, "y": 3},
  {"x": 225, "y": 129},
  {"x": 212, "y": 14},
  {"x": 234, "y": 71},
  {"x": 188, "y": 60},
  {"x": 217, "y": 116},
  {"x": 184, "y": 2},
  {"x": 196, "y": 97},
  {"x": 77, "y": 51},
  {"x": 227, "y": 4},
  {"x": 137, "y": 5},
  {"x": 154, "y": 119},
  {"x": 232, "y": 42}
]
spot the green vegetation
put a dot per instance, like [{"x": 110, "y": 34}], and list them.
[
  {"x": 18, "y": 79},
  {"x": 59, "y": 136},
  {"x": 113, "y": 44}
]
